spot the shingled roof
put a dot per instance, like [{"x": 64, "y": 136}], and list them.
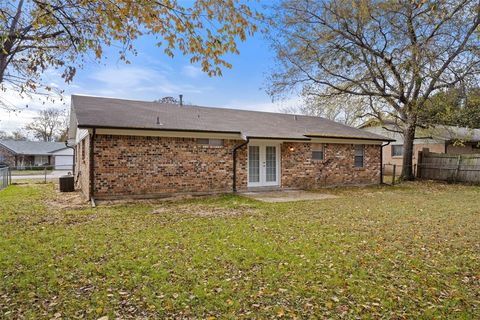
[
  {"x": 96, "y": 112},
  {"x": 32, "y": 147}
]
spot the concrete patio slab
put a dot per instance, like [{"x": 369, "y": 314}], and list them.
[{"x": 288, "y": 195}]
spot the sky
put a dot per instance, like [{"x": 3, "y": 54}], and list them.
[{"x": 153, "y": 75}]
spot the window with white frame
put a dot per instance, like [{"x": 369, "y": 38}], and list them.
[
  {"x": 359, "y": 155},
  {"x": 317, "y": 151},
  {"x": 397, "y": 150},
  {"x": 41, "y": 160},
  {"x": 210, "y": 142}
]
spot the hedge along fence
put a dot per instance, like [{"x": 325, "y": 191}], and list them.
[{"x": 448, "y": 167}]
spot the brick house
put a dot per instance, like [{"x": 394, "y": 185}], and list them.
[
  {"x": 150, "y": 149},
  {"x": 438, "y": 139},
  {"x": 22, "y": 154}
]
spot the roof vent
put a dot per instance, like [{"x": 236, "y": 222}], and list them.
[
  {"x": 158, "y": 121},
  {"x": 295, "y": 117},
  {"x": 181, "y": 99}
]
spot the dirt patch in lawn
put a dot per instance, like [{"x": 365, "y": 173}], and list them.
[
  {"x": 203, "y": 210},
  {"x": 287, "y": 196},
  {"x": 67, "y": 201}
]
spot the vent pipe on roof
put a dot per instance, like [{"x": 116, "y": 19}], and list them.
[
  {"x": 294, "y": 117},
  {"x": 181, "y": 99}
]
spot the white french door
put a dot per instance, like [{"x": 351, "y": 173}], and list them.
[{"x": 263, "y": 164}]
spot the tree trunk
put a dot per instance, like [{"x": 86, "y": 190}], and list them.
[
  {"x": 8, "y": 42},
  {"x": 408, "y": 138}
]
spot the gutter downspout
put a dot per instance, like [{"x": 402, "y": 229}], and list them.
[
  {"x": 234, "y": 153},
  {"x": 381, "y": 160},
  {"x": 92, "y": 166},
  {"x": 73, "y": 148}
]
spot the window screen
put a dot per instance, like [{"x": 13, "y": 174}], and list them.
[
  {"x": 210, "y": 142},
  {"x": 215, "y": 142},
  {"x": 397, "y": 151},
  {"x": 317, "y": 151},
  {"x": 359, "y": 153}
]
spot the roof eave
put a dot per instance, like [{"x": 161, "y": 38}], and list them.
[
  {"x": 13, "y": 151},
  {"x": 350, "y": 137},
  {"x": 87, "y": 126},
  {"x": 279, "y": 138}
]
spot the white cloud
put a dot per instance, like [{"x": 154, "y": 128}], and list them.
[
  {"x": 12, "y": 121},
  {"x": 277, "y": 106},
  {"x": 191, "y": 71},
  {"x": 25, "y": 108},
  {"x": 139, "y": 83}
]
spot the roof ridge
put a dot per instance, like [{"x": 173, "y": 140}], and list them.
[{"x": 203, "y": 107}]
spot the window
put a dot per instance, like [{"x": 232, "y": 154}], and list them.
[
  {"x": 317, "y": 151},
  {"x": 359, "y": 152},
  {"x": 210, "y": 142},
  {"x": 397, "y": 151},
  {"x": 82, "y": 147},
  {"x": 40, "y": 160}
]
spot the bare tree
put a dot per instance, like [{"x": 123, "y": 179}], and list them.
[
  {"x": 395, "y": 53},
  {"x": 62, "y": 132},
  {"x": 48, "y": 124},
  {"x": 169, "y": 100},
  {"x": 349, "y": 110},
  {"x": 17, "y": 135}
]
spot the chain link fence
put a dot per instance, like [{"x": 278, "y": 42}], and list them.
[{"x": 40, "y": 173}]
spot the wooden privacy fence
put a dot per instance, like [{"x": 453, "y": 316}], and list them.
[{"x": 449, "y": 167}]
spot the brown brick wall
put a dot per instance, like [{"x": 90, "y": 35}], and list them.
[
  {"x": 130, "y": 165},
  {"x": 7, "y": 155},
  {"x": 127, "y": 165},
  {"x": 337, "y": 168}
]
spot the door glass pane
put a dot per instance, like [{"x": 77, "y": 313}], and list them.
[
  {"x": 271, "y": 164},
  {"x": 253, "y": 164}
]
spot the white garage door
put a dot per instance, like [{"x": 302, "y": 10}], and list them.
[{"x": 63, "y": 162}]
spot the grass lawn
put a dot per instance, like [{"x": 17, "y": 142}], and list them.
[{"x": 409, "y": 251}]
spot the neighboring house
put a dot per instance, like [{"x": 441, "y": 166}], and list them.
[
  {"x": 36, "y": 153},
  {"x": 439, "y": 139},
  {"x": 148, "y": 149}
]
